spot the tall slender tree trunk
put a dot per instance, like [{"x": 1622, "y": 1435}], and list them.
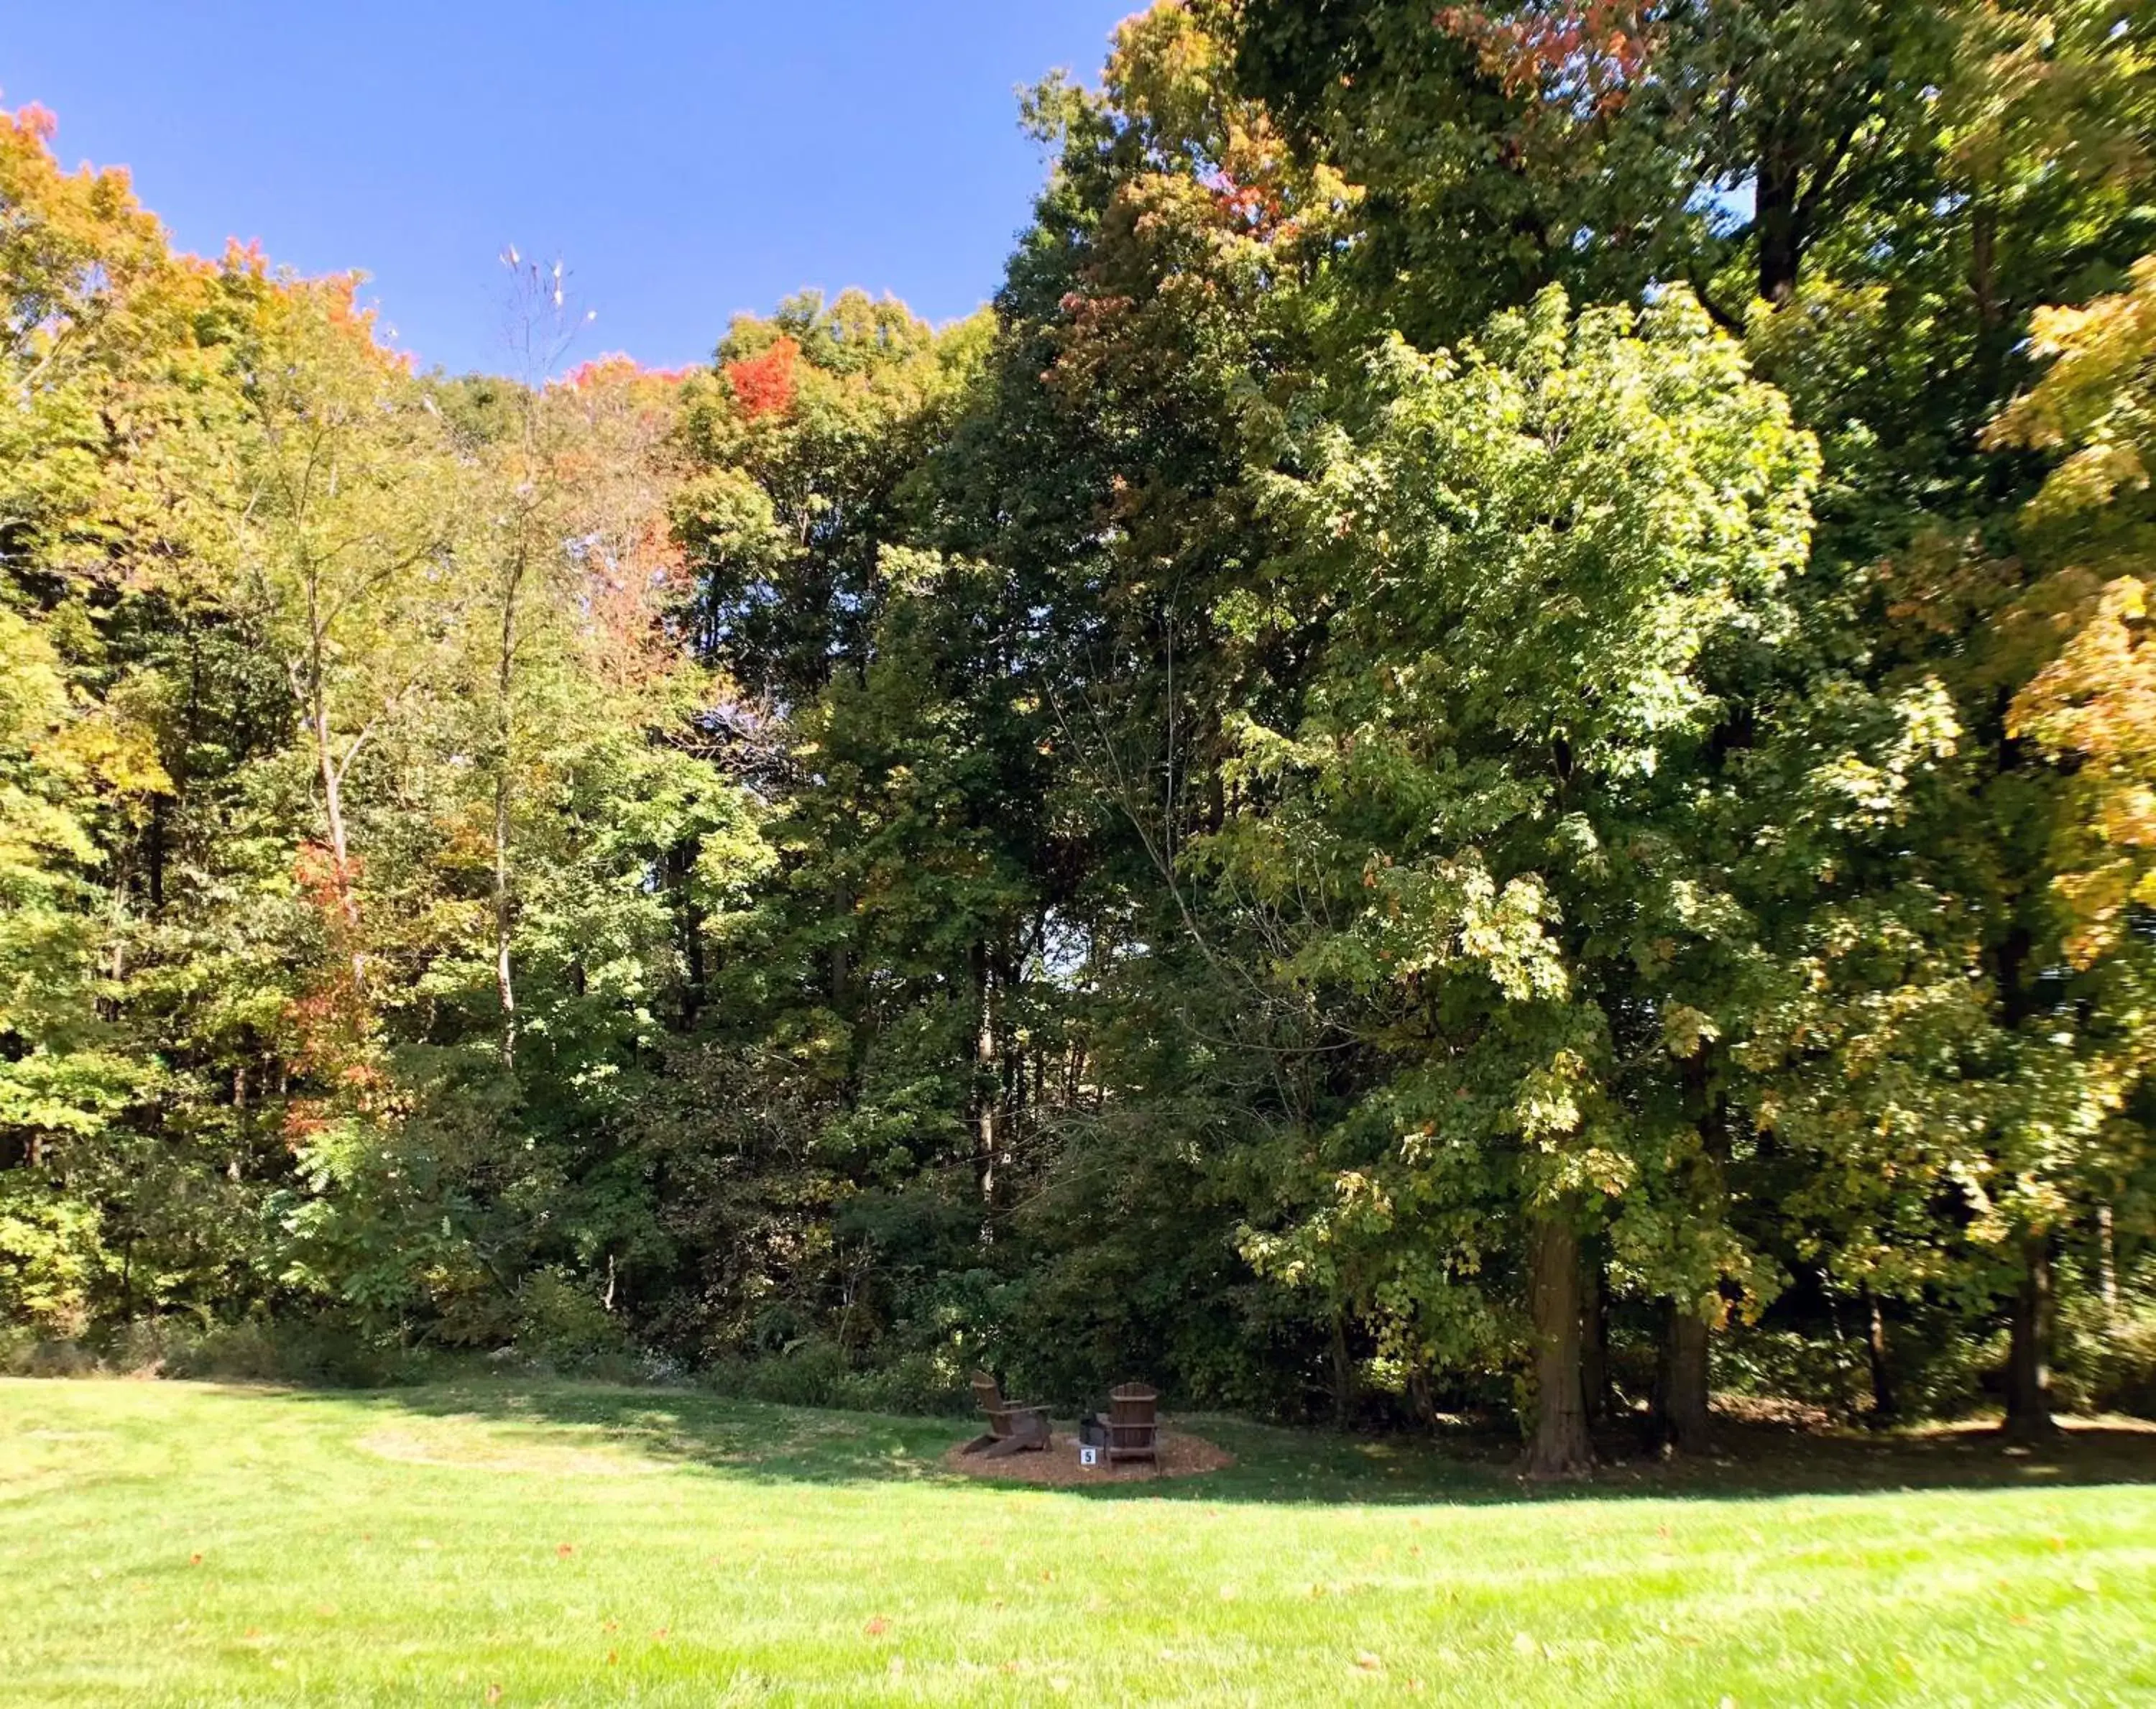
[
  {"x": 1560, "y": 1446},
  {"x": 2028, "y": 1354},
  {"x": 987, "y": 1088},
  {"x": 505, "y": 689},
  {"x": 1996, "y": 333},
  {"x": 1777, "y": 215},
  {"x": 1983, "y": 262},
  {"x": 505, "y": 983},
  {"x": 1683, "y": 1422},
  {"x": 2107, "y": 1260},
  {"x": 1595, "y": 1340},
  {"x": 242, "y": 1121},
  {"x": 332, "y": 780},
  {"x": 1884, "y": 1404},
  {"x": 1343, "y": 1369}
]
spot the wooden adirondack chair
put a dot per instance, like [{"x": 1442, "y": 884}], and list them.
[
  {"x": 1133, "y": 1424},
  {"x": 1013, "y": 1428}
]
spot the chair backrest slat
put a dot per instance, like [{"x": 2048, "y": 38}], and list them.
[{"x": 1132, "y": 1403}]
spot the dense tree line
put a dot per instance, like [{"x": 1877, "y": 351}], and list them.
[{"x": 1486, "y": 747}]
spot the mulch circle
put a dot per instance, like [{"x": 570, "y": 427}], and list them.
[{"x": 1056, "y": 1465}]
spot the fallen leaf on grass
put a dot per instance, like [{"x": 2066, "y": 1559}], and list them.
[
  {"x": 877, "y": 1626},
  {"x": 565, "y": 1550},
  {"x": 1369, "y": 1663}
]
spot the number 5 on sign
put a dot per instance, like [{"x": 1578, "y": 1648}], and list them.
[{"x": 1089, "y": 1456}]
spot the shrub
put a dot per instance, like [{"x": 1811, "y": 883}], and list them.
[
  {"x": 2106, "y": 1358},
  {"x": 819, "y": 1373},
  {"x": 562, "y": 1324}
]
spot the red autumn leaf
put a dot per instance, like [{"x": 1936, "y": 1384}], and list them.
[
  {"x": 763, "y": 385},
  {"x": 877, "y": 1626}
]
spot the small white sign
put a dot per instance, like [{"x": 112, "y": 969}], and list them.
[{"x": 1089, "y": 1456}]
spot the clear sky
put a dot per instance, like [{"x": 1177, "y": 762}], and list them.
[{"x": 685, "y": 161}]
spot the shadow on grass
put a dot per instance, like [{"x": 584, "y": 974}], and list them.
[{"x": 560, "y": 1427}]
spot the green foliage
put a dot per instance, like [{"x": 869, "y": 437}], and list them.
[{"x": 1489, "y": 741}]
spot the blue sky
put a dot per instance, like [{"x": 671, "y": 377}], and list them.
[{"x": 684, "y": 161}]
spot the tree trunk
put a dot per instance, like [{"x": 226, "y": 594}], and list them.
[
  {"x": 1777, "y": 217},
  {"x": 505, "y": 689},
  {"x": 1343, "y": 1370},
  {"x": 505, "y": 984},
  {"x": 1983, "y": 262},
  {"x": 242, "y": 1122},
  {"x": 680, "y": 865},
  {"x": 2028, "y": 1357},
  {"x": 987, "y": 1088},
  {"x": 1681, "y": 1418},
  {"x": 1884, "y": 1407},
  {"x": 1560, "y": 1447},
  {"x": 1594, "y": 1343},
  {"x": 156, "y": 852},
  {"x": 1994, "y": 333},
  {"x": 314, "y": 693},
  {"x": 2107, "y": 1261}
]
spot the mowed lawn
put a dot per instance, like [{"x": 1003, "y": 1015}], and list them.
[{"x": 179, "y": 1543}]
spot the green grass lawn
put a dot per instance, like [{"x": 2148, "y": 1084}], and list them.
[{"x": 179, "y": 1543}]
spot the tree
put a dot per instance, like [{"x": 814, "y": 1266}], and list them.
[
  {"x": 1552, "y": 560},
  {"x": 342, "y": 539},
  {"x": 2089, "y": 530}
]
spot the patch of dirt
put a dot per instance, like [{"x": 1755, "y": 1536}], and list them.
[
  {"x": 468, "y": 1444},
  {"x": 1056, "y": 1465}
]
